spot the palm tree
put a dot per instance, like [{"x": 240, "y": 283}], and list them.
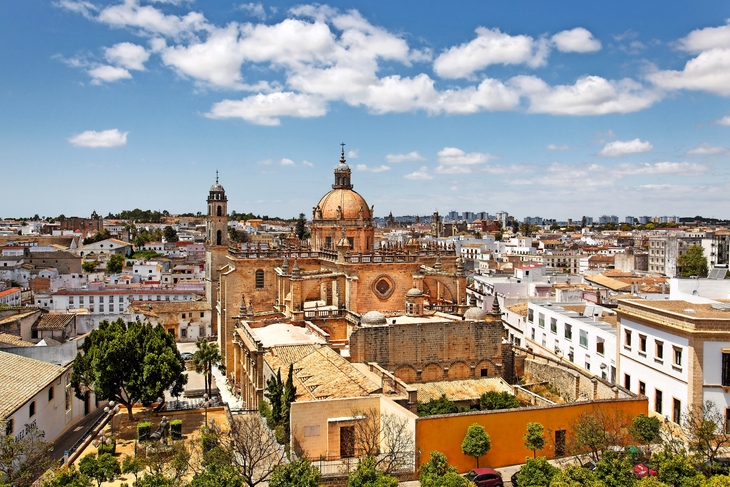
[{"x": 205, "y": 358}]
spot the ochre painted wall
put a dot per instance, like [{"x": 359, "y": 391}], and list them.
[{"x": 506, "y": 428}]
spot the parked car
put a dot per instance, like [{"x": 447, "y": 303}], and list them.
[
  {"x": 641, "y": 471},
  {"x": 485, "y": 477},
  {"x": 590, "y": 465},
  {"x": 721, "y": 466},
  {"x": 513, "y": 479},
  {"x": 186, "y": 356}
]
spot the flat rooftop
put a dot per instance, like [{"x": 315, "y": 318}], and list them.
[
  {"x": 719, "y": 310},
  {"x": 280, "y": 334}
]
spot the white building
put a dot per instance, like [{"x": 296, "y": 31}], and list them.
[
  {"x": 105, "y": 247},
  {"x": 147, "y": 271},
  {"x": 584, "y": 334}
]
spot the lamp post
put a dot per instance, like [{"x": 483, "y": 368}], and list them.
[
  {"x": 205, "y": 405},
  {"x": 112, "y": 409}
]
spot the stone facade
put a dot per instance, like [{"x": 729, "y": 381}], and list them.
[{"x": 423, "y": 352}]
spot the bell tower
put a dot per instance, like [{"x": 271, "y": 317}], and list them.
[
  {"x": 217, "y": 222},
  {"x": 216, "y": 248}
]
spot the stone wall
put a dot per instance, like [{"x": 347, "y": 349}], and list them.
[{"x": 422, "y": 352}]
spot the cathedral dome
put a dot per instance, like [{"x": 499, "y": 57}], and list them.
[
  {"x": 349, "y": 203},
  {"x": 475, "y": 314},
  {"x": 217, "y": 188},
  {"x": 414, "y": 292},
  {"x": 372, "y": 318}
]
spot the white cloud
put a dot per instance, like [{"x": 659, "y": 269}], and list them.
[
  {"x": 82, "y": 7},
  {"x": 127, "y": 55},
  {"x": 286, "y": 162},
  {"x": 710, "y": 71},
  {"x": 411, "y": 156},
  {"x": 723, "y": 121},
  {"x": 254, "y": 9},
  {"x": 307, "y": 163},
  {"x": 265, "y": 109},
  {"x": 620, "y": 148},
  {"x": 590, "y": 95},
  {"x": 108, "y": 74},
  {"x": 658, "y": 168},
  {"x": 705, "y": 39},
  {"x": 558, "y": 147},
  {"x": 105, "y": 138},
  {"x": 364, "y": 167},
  {"x": 705, "y": 149},
  {"x": 421, "y": 174},
  {"x": 353, "y": 154},
  {"x": 451, "y": 156},
  {"x": 491, "y": 46},
  {"x": 151, "y": 20},
  {"x": 576, "y": 40}
]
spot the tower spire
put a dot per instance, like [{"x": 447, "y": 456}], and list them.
[
  {"x": 342, "y": 157},
  {"x": 216, "y": 176}
]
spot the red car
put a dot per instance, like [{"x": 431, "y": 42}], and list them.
[
  {"x": 641, "y": 471},
  {"x": 485, "y": 477}
]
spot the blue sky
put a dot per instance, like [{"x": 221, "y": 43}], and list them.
[{"x": 556, "y": 109}]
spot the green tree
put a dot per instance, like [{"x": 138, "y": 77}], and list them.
[
  {"x": 289, "y": 394},
  {"x": 592, "y": 432},
  {"x": 170, "y": 234},
  {"x": 89, "y": 266},
  {"x": 24, "y": 458},
  {"x": 366, "y": 475},
  {"x": 537, "y": 472},
  {"x": 154, "y": 480},
  {"x": 218, "y": 474},
  {"x": 575, "y": 476},
  {"x": 534, "y": 438},
  {"x": 693, "y": 262},
  {"x": 651, "y": 481},
  {"x": 274, "y": 393},
  {"x": 67, "y": 477},
  {"x": 705, "y": 428},
  {"x": 492, "y": 400},
  {"x": 498, "y": 237},
  {"x": 673, "y": 468},
  {"x": 205, "y": 358},
  {"x": 115, "y": 264},
  {"x": 301, "y": 226},
  {"x": 129, "y": 364},
  {"x": 438, "y": 473},
  {"x": 437, "y": 406},
  {"x": 239, "y": 236},
  {"x": 645, "y": 429},
  {"x": 718, "y": 481},
  {"x": 103, "y": 468},
  {"x": 476, "y": 442},
  {"x": 299, "y": 473},
  {"x": 133, "y": 465},
  {"x": 615, "y": 470}
]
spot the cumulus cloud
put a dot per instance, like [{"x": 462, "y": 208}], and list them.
[
  {"x": 254, "y": 9},
  {"x": 659, "y": 168},
  {"x": 364, "y": 167},
  {"x": 284, "y": 161},
  {"x": 105, "y": 138},
  {"x": 353, "y": 154},
  {"x": 87, "y": 9},
  {"x": 709, "y": 71},
  {"x": 576, "y": 40},
  {"x": 558, "y": 147},
  {"x": 420, "y": 174},
  {"x": 411, "y": 156},
  {"x": 705, "y": 149},
  {"x": 265, "y": 109},
  {"x": 150, "y": 20},
  {"x": 590, "y": 95},
  {"x": 108, "y": 74},
  {"x": 705, "y": 39},
  {"x": 127, "y": 55},
  {"x": 451, "y": 156},
  {"x": 723, "y": 121},
  {"x": 620, "y": 148},
  {"x": 491, "y": 46}
]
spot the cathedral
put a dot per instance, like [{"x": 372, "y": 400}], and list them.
[{"x": 333, "y": 279}]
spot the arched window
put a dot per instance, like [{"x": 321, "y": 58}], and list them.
[
  {"x": 219, "y": 210},
  {"x": 219, "y": 238},
  {"x": 259, "y": 279}
]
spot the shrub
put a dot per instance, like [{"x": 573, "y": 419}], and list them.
[
  {"x": 143, "y": 431},
  {"x": 110, "y": 448},
  {"x": 176, "y": 429},
  {"x": 492, "y": 400}
]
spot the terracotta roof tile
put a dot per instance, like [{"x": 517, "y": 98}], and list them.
[{"x": 22, "y": 378}]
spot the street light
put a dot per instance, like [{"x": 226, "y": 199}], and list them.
[{"x": 112, "y": 409}]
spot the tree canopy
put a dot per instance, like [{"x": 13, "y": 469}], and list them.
[
  {"x": 115, "y": 264},
  {"x": 476, "y": 442},
  {"x": 205, "y": 358},
  {"x": 23, "y": 458},
  {"x": 129, "y": 364},
  {"x": 492, "y": 400},
  {"x": 170, "y": 234},
  {"x": 693, "y": 262},
  {"x": 534, "y": 438}
]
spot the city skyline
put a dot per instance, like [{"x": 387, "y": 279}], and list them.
[{"x": 578, "y": 109}]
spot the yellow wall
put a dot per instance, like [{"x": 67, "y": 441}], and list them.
[{"x": 506, "y": 429}]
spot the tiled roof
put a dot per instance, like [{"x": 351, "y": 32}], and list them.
[
  {"x": 22, "y": 378},
  {"x": 156, "y": 307},
  {"x": 12, "y": 318},
  {"x": 608, "y": 282},
  {"x": 53, "y": 322},
  {"x": 459, "y": 390},
  {"x": 520, "y": 308},
  {"x": 10, "y": 291},
  {"x": 321, "y": 373},
  {"x": 8, "y": 340}
]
